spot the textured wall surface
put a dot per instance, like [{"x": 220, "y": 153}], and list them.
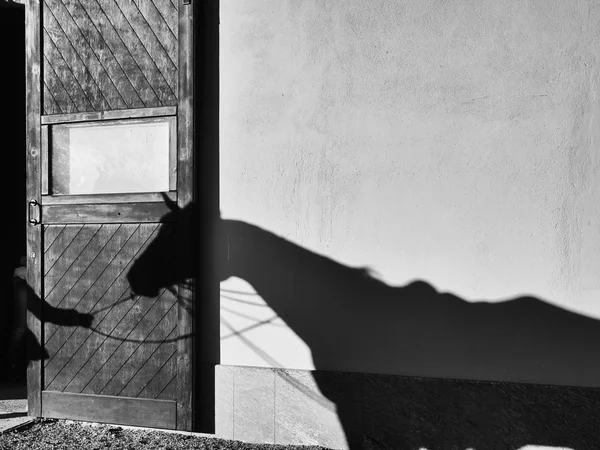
[{"x": 454, "y": 142}]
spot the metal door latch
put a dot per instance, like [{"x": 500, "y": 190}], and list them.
[{"x": 34, "y": 212}]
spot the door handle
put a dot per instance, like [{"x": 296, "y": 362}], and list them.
[{"x": 34, "y": 212}]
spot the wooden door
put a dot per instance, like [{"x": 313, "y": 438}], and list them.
[{"x": 109, "y": 138}]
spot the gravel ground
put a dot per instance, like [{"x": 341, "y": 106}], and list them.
[{"x": 67, "y": 435}]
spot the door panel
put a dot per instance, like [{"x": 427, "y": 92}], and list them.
[
  {"x": 109, "y": 54},
  {"x": 130, "y": 348},
  {"x": 109, "y": 354},
  {"x": 131, "y": 337}
]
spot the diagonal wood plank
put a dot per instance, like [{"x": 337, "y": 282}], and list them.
[
  {"x": 61, "y": 96},
  {"x": 50, "y": 234},
  {"x": 84, "y": 274},
  {"x": 164, "y": 61},
  {"x": 50, "y": 105},
  {"x": 169, "y": 391},
  {"x": 91, "y": 49},
  {"x": 59, "y": 245},
  {"x": 64, "y": 33},
  {"x": 160, "y": 28},
  {"x": 65, "y": 74},
  {"x": 107, "y": 58},
  {"x": 106, "y": 279},
  {"x": 107, "y": 289},
  {"x": 154, "y": 372},
  {"x": 122, "y": 54},
  {"x": 165, "y": 88},
  {"x": 113, "y": 55},
  {"x": 84, "y": 355},
  {"x": 98, "y": 346},
  {"x": 157, "y": 385},
  {"x": 101, "y": 343},
  {"x": 147, "y": 358},
  {"x": 58, "y": 272},
  {"x": 126, "y": 349},
  {"x": 104, "y": 38},
  {"x": 169, "y": 13}
]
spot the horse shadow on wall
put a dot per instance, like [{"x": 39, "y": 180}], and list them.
[{"x": 354, "y": 323}]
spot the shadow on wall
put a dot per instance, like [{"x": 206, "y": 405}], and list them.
[{"x": 353, "y": 322}]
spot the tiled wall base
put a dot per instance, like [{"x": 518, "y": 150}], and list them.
[{"x": 363, "y": 411}]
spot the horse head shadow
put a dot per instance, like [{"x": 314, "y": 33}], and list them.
[
  {"x": 168, "y": 260},
  {"x": 355, "y": 323}
]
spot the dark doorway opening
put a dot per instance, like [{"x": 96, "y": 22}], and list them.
[{"x": 13, "y": 144}]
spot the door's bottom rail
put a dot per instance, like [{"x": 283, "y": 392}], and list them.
[{"x": 109, "y": 409}]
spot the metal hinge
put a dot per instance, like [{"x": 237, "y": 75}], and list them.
[{"x": 187, "y": 2}]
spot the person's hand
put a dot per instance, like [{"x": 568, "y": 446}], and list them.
[
  {"x": 86, "y": 320},
  {"x": 73, "y": 317}
]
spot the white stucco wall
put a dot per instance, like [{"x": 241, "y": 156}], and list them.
[{"x": 456, "y": 142}]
